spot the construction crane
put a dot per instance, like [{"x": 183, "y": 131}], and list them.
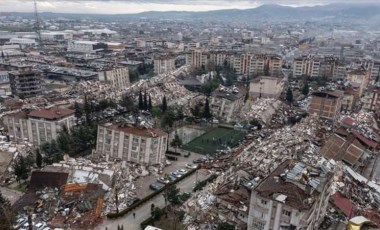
[{"x": 38, "y": 27}]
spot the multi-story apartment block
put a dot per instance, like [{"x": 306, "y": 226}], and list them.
[
  {"x": 371, "y": 101},
  {"x": 197, "y": 58},
  {"x": 117, "y": 77},
  {"x": 26, "y": 83},
  {"x": 290, "y": 198},
  {"x": 326, "y": 105},
  {"x": 130, "y": 143},
  {"x": 38, "y": 126},
  {"x": 224, "y": 102},
  {"x": 314, "y": 66},
  {"x": 360, "y": 77},
  {"x": 164, "y": 64},
  {"x": 266, "y": 87}
]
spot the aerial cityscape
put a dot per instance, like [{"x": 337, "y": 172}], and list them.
[{"x": 189, "y": 115}]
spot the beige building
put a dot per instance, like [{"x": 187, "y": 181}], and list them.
[
  {"x": 117, "y": 77},
  {"x": 326, "y": 105},
  {"x": 290, "y": 198},
  {"x": 266, "y": 87},
  {"x": 360, "y": 77},
  {"x": 315, "y": 66},
  {"x": 129, "y": 143},
  {"x": 225, "y": 102},
  {"x": 197, "y": 58},
  {"x": 371, "y": 100},
  {"x": 164, "y": 64},
  {"x": 38, "y": 126}
]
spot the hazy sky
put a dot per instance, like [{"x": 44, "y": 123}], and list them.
[{"x": 136, "y": 6}]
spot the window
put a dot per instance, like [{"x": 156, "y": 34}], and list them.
[
  {"x": 264, "y": 202},
  {"x": 257, "y": 225},
  {"x": 286, "y": 212}
]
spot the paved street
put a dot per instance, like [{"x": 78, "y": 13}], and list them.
[{"x": 143, "y": 212}]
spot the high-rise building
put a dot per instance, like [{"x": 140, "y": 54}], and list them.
[
  {"x": 164, "y": 64},
  {"x": 117, "y": 77},
  {"x": 26, "y": 83}
]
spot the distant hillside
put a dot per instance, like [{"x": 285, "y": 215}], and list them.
[{"x": 263, "y": 13}]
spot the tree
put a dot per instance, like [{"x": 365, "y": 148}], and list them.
[
  {"x": 21, "y": 169},
  {"x": 64, "y": 140},
  {"x": 87, "y": 107},
  {"x": 128, "y": 103},
  {"x": 150, "y": 107},
  {"x": 172, "y": 195},
  {"x": 180, "y": 114},
  {"x": 38, "y": 158},
  {"x": 78, "y": 111},
  {"x": 7, "y": 214},
  {"x": 305, "y": 89},
  {"x": 256, "y": 123},
  {"x": 176, "y": 142},
  {"x": 206, "y": 112},
  {"x": 141, "y": 102},
  {"x": 168, "y": 119},
  {"x": 145, "y": 101},
  {"x": 196, "y": 111},
  {"x": 246, "y": 97},
  {"x": 164, "y": 105},
  {"x": 289, "y": 95},
  {"x": 51, "y": 151},
  {"x": 225, "y": 226}
]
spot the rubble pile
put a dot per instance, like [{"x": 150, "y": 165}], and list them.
[{"x": 263, "y": 109}]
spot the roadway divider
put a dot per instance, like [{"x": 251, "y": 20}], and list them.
[{"x": 150, "y": 196}]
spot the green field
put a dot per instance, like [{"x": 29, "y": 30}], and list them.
[{"x": 216, "y": 139}]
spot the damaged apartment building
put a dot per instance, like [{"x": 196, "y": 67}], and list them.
[
  {"x": 136, "y": 144},
  {"x": 293, "y": 196},
  {"x": 38, "y": 126}
]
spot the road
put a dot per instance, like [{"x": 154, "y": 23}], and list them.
[{"x": 143, "y": 212}]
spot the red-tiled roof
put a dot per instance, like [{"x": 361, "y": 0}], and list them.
[
  {"x": 139, "y": 131},
  {"x": 348, "y": 121},
  {"x": 295, "y": 196},
  {"x": 343, "y": 204},
  {"x": 52, "y": 113},
  {"x": 364, "y": 139}
]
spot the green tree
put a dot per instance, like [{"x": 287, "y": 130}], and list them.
[
  {"x": 51, "y": 151},
  {"x": 7, "y": 214},
  {"x": 87, "y": 107},
  {"x": 196, "y": 111},
  {"x": 141, "y": 102},
  {"x": 207, "y": 112},
  {"x": 180, "y": 114},
  {"x": 128, "y": 103},
  {"x": 168, "y": 119},
  {"x": 289, "y": 95},
  {"x": 225, "y": 226},
  {"x": 145, "y": 101},
  {"x": 164, "y": 105},
  {"x": 78, "y": 111},
  {"x": 64, "y": 140},
  {"x": 305, "y": 89},
  {"x": 150, "y": 107},
  {"x": 38, "y": 158},
  {"x": 21, "y": 169},
  {"x": 256, "y": 123},
  {"x": 173, "y": 195},
  {"x": 133, "y": 75},
  {"x": 176, "y": 142}
]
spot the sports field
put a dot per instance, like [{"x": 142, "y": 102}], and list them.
[{"x": 216, "y": 139}]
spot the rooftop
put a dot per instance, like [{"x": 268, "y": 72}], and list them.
[
  {"x": 51, "y": 114},
  {"x": 136, "y": 130}
]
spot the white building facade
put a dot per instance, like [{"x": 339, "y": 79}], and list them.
[{"x": 133, "y": 144}]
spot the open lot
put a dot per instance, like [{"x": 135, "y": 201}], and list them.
[{"x": 216, "y": 139}]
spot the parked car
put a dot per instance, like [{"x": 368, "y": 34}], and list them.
[
  {"x": 172, "y": 178},
  {"x": 156, "y": 186},
  {"x": 191, "y": 166},
  {"x": 199, "y": 160},
  {"x": 182, "y": 171},
  {"x": 133, "y": 201},
  {"x": 163, "y": 180},
  {"x": 176, "y": 174},
  {"x": 40, "y": 225}
]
